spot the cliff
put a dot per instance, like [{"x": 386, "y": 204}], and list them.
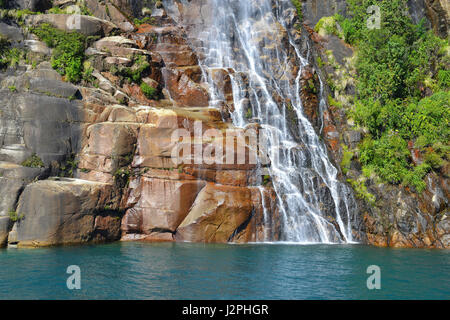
[{"x": 87, "y": 121}]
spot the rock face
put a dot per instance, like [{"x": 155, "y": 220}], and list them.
[
  {"x": 398, "y": 217},
  {"x": 438, "y": 12},
  {"x": 111, "y": 141},
  {"x": 66, "y": 211}
]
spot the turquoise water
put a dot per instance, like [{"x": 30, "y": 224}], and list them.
[{"x": 198, "y": 271}]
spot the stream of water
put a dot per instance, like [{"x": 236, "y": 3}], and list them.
[{"x": 252, "y": 41}]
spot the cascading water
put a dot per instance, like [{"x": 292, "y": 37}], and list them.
[{"x": 249, "y": 38}]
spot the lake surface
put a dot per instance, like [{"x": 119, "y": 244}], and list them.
[{"x": 200, "y": 271}]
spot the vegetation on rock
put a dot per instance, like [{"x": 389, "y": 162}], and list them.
[
  {"x": 402, "y": 92},
  {"x": 149, "y": 91},
  {"x": 33, "y": 162},
  {"x": 68, "y": 53},
  {"x": 9, "y": 56}
]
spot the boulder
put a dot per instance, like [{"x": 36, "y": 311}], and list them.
[
  {"x": 107, "y": 11},
  {"x": 159, "y": 204},
  {"x": 13, "y": 179},
  {"x": 108, "y": 146},
  {"x": 87, "y": 25},
  {"x": 183, "y": 90},
  {"x": 66, "y": 211},
  {"x": 217, "y": 213}
]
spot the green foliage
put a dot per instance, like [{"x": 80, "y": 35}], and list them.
[
  {"x": 327, "y": 25},
  {"x": 149, "y": 91},
  {"x": 426, "y": 120},
  {"x": 68, "y": 53},
  {"x": 68, "y": 169},
  {"x": 9, "y": 56},
  {"x": 396, "y": 60},
  {"x": 33, "y": 162},
  {"x": 14, "y": 216},
  {"x": 443, "y": 77},
  {"x": 298, "y": 6},
  {"x": 145, "y": 20},
  {"x": 140, "y": 67},
  {"x": 56, "y": 10},
  {"x": 12, "y": 88},
  {"x": 361, "y": 191},
  {"x": 346, "y": 159},
  {"x": 266, "y": 179},
  {"x": 397, "y": 66},
  {"x": 122, "y": 177},
  {"x": 388, "y": 156}
]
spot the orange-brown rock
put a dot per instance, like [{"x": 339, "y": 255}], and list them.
[
  {"x": 216, "y": 214},
  {"x": 184, "y": 90},
  {"x": 158, "y": 204}
]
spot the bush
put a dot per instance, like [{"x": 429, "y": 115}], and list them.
[
  {"x": 388, "y": 156},
  {"x": 68, "y": 53},
  {"x": 14, "y": 216},
  {"x": 397, "y": 66},
  {"x": 346, "y": 159},
  {"x": 33, "y": 162},
  {"x": 149, "y": 91},
  {"x": 298, "y": 6},
  {"x": 9, "y": 56},
  {"x": 361, "y": 191}
]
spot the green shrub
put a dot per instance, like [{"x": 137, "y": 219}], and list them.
[
  {"x": 140, "y": 68},
  {"x": 145, "y": 20},
  {"x": 327, "y": 25},
  {"x": 33, "y": 162},
  {"x": 346, "y": 159},
  {"x": 396, "y": 67},
  {"x": 149, "y": 91},
  {"x": 68, "y": 53},
  {"x": 388, "y": 156},
  {"x": 415, "y": 177},
  {"x": 9, "y": 56},
  {"x": 444, "y": 78},
  {"x": 14, "y": 216},
  {"x": 361, "y": 191},
  {"x": 298, "y": 6}
]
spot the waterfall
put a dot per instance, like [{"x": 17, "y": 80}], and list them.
[{"x": 251, "y": 40}]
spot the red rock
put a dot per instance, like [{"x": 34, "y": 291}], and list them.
[
  {"x": 216, "y": 214},
  {"x": 159, "y": 204}
]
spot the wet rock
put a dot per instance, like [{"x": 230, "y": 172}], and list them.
[
  {"x": 45, "y": 124},
  {"x": 183, "y": 90}
]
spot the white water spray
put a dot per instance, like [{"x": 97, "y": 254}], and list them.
[{"x": 249, "y": 39}]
